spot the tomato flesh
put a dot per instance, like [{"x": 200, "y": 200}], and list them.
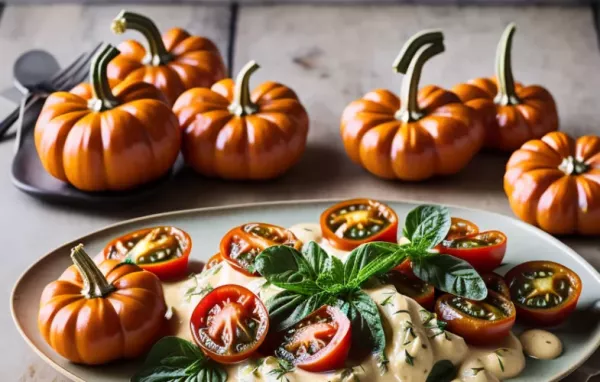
[
  {"x": 484, "y": 251},
  {"x": 461, "y": 228},
  {"x": 495, "y": 282},
  {"x": 413, "y": 287},
  {"x": 320, "y": 342},
  {"x": 545, "y": 293},
  {"x": 241, "y": 245},
  {"x": 478, "y": 322},
  {"x": 162, "y": 250},
  {"x": 229, "y": 324},
  {"x": 351, "y": 223},
  {"x": 213, "y": 261}
]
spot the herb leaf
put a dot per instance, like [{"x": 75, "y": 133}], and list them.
[
  {"x": 287, "y": 308},
  {"x": 451, "y": 275},
  {"x": 173, "y": 358},
  {"x": 286, "y": 268},
  {"x": 332, "y": 274},
  {"x": 316, "y": 257},
  {"x": 371, "y": 259},
  {"x": 442, "y": 371},
  {"x": 426, "y": 226}
]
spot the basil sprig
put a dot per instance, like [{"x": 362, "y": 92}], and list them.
[{"x": 175, "y": 359}]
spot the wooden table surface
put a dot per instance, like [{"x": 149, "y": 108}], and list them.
[{"x": 330, "y": 55}]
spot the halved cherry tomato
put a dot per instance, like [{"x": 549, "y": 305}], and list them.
[
  {"x": 163, "y": 250},
  {"x": 351, "y": 223},
  {"x": 412, "y": 287},
  {"x": 495, "y": 282},
  {"x": 241, "y": 245},
  {"x": 478, "y": 322},
  {"x": 320, "y": 342},
  {"x": 545, "y": 293},
  {"x": 214, "y": 260},
  {"x": 484, "y": 250},
  {"x": 405, "y": 268},
  {"x": 229, "y": 323},
  {"x": 461, "y": 228}
]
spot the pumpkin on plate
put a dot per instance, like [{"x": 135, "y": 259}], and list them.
[
  {"x": 554, "y": 183},
  {"x": 94, "y": 314},
  {"x": 230, "y": 133},
  {"x": 174, "y": 63},
  {"x": 99, "y": 138},
  {"x": 511, "y": 113},
  {"x": 422, "y": 134}
]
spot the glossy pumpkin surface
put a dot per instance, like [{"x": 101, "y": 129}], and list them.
[
  {"x": 511, "y": 113},
  {"x": 419, "y": 135},
  {"x": 175, "y": 62},
  {"x": 99, "y": 138},
  {"x": 554, "y": 183},
  {"x": 231, "y": 133},
  {"x": 97, "y": 314}
]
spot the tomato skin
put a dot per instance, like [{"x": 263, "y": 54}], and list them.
[
  {"x": 474, "y": 330},
  {"x": 388, "y": 234},
  {"x": 496, "y": 283},
  {"x": 244, "y": 300},
  {"x": 461, "y": 228},
  {"x": 214, "y": 260},
  {"x": 165, "y": 270},
  {"x": 410, "y": 285},
  {"x": 334, "y": 354},
  {"x": 545, "y": 316},
  {"x": 483, "y": 259}
]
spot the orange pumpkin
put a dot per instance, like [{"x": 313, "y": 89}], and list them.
[
  {"x": 174, "y": 63},
  {"x": 231, "y": 134},
  {"x": 511, "y": 113},
  {"x": 97, "y": 314},
  {"x": 98, "y": 138},
  {"x": 422, "y": 134},
  {"x": 554, "y": 183}
]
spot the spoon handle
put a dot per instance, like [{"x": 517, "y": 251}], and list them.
[{"x": 14, "y": 116}]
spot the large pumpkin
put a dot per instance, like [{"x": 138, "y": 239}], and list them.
[
  {"x": 422, "y": 134},
  {"x": 97, "y": 314},
  {"x": 174, "y": 63},
  {"x": 97, "y": 138},
  {"x": 554, "y": 183},
  {"x": 232, "y": 134},
  {"x": 511, "y": 113}
]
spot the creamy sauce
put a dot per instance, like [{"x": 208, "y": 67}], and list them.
[
  {"x": 541, "y": 344},
  {"x": 411, "y": 332}
]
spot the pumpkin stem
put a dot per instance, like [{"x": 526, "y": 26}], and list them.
[
  {"x": 572, "y": 166},
  {"x": 95, "y": 285},
  {"x": 420, "y": 48},
  {"x": 157, "y": 52},
  {"x": 102, "y": 96},
  {"x": 242, "y": 104},
  {"x": 506, "y": 82}
]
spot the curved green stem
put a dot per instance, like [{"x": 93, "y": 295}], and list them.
[
  {"x": 157, "y": 53},
  {"x": 506, "y": 83},
  {"x": 242, "y": 104},
  {"x": 572, "y": 166},
  {"x": 429, "y": 36},
  {"x": 103, "y": 98},
  {"x": 409, "y": 110},
  {"x": 95, "y": 284}
]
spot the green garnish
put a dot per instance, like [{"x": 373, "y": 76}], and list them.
[
  {"x": 284, "y": 367},
  {"x": 409, "y": 359}
]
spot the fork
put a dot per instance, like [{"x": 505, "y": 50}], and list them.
[{"x": 64, "y": 80}]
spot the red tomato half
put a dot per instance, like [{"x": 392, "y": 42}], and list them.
[
  {"x": 478, "y": 322},
  {"x": 545, "y": 293},
  {"x": 214, "y": 260},
  {"x": 164, "y": 250},
  {"x": 461, "y": 228},
  {"x": 495, "y": 282},
  {"x": 351, "y": 223},
  {"x": 415, "y": 288},
  {"x": 229, "y": 323},
  {"x": 320, "y": 342},
  {"x": 241, "y": 245},
  {"x": 484, "y": 251}
]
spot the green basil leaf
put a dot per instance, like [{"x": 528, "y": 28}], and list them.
[
  {"x": 442, "y": 371},
  {"x": 175, "y": 359},
  {"x": 332, "y": 275},
  {"x": 369, "y": 314},
  {"x": 427, "y": 225},
  {"x": 450, "y": 274},
  {"x": 281, "y": 306},
  {"x": 316, "y": 256},
  {"x": 285, "y": 267},
  {"x": 305, "y": 308},
  {"x": 371, "y": 259}
]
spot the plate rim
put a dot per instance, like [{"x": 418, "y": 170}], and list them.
[{"x": 518, "y": 222}]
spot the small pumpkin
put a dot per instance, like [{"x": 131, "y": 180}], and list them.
[
  {"x": 99, "y": 139},
  {"x": 94, "y": 314},
  {"x": 511, "y": 113},
  {"x": 231, "y": 134},
  {"x": 422, "y": 134},
  {"x": 174, "y": 63},
  {"x": 554, "y": 183}
]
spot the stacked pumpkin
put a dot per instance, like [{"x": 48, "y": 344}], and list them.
[{"x": 118, "y": 132}]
